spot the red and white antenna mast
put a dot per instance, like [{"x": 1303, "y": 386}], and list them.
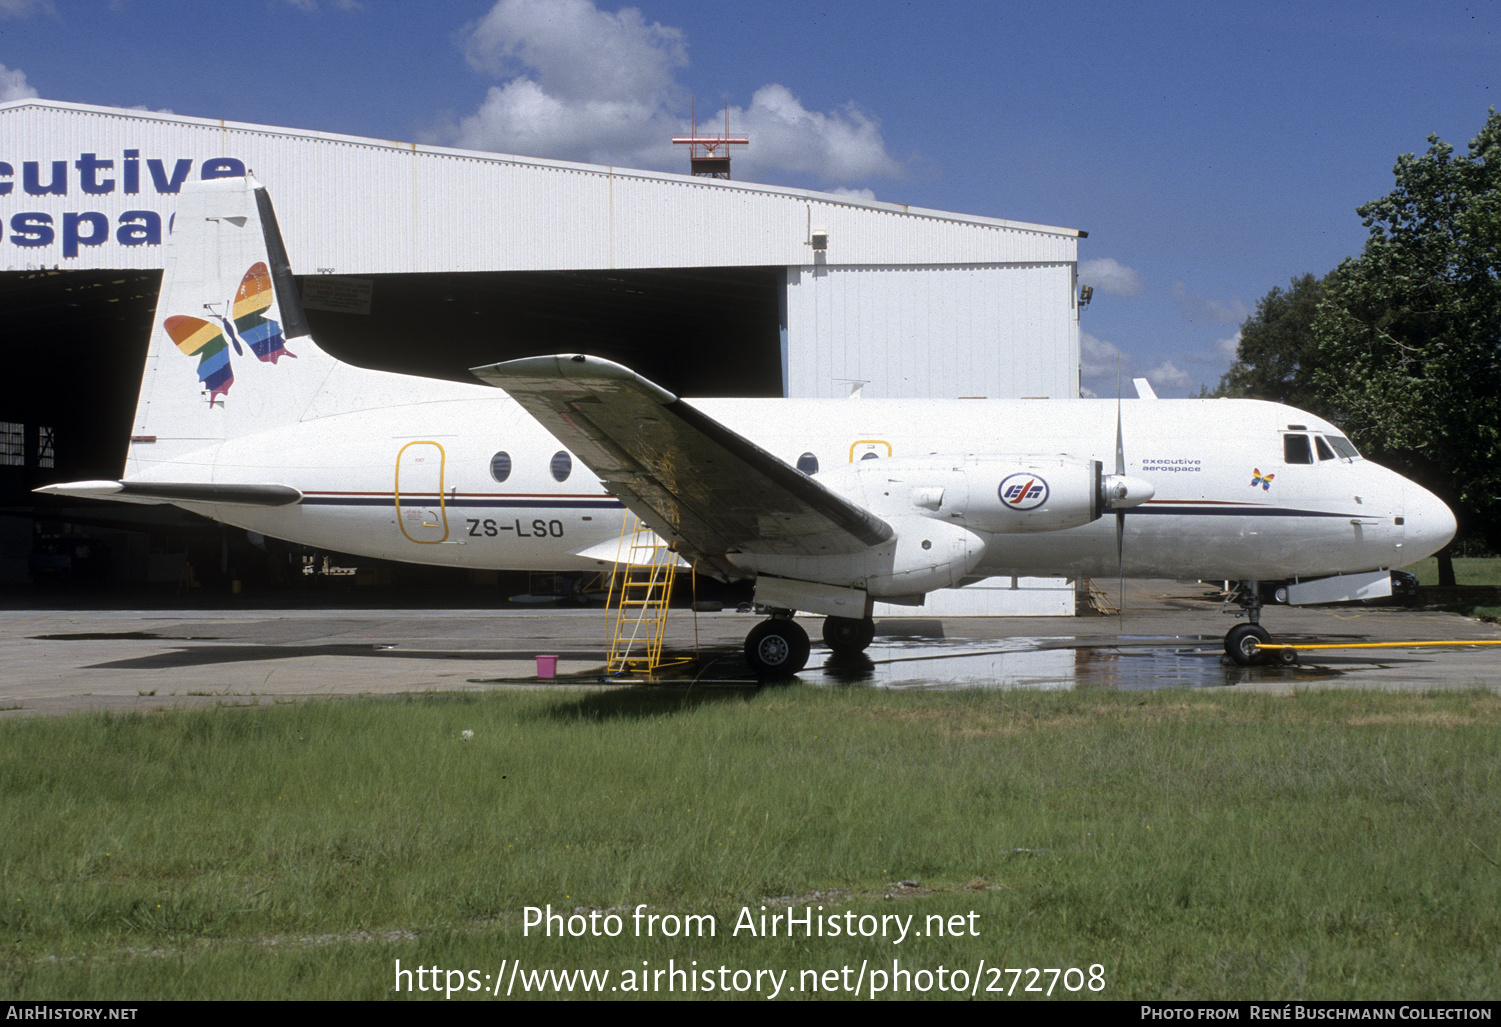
[{"x": 709, "y": 156}]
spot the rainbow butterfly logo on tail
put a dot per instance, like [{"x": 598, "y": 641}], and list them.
[{"x": 210, "y": 342}]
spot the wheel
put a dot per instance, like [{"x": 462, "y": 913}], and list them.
[
  {"x": 1287, "y": 657},
  {"x": 1241, "y": 642},
  {"x": 847, "y": 636},
  {"x": 777, "y": 648}
]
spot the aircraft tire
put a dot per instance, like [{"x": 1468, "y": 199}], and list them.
[
  {"x": 848, "y": 636},
  {"x": 777, "y": 648},
  {"x": 1241, "y": 642}
]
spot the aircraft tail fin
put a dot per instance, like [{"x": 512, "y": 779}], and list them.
[
  {"x": 230, "y": 351},
  {"x": 231, "y": 356}
]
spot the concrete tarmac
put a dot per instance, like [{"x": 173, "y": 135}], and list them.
[{"x": 58, "y": 659}]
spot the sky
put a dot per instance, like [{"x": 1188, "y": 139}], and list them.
[{"x": 1212, "y": 151}]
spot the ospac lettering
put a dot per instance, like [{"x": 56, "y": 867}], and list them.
[{"x": 93, "y": 174}]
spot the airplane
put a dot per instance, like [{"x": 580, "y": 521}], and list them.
[{"x": 828, "y": 506}]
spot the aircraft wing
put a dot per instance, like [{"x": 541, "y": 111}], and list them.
[{"x": 694, "y": 481}]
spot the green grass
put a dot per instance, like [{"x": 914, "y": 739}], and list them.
[
  {"x": 1192, "y": 844},
  {"x": 1468, "y": 570}
]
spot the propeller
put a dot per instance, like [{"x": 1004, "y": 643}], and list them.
[
  {"x": 1120, "y": 494},
  {"x": 1120, "y": 512}
]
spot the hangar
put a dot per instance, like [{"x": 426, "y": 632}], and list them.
[{"x": 430, "y": 260}]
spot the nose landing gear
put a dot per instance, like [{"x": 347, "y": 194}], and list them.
[{"x": 1243, "y": 642}]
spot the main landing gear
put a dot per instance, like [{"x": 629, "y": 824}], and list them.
[
  {"x": 848, "y": 636},
  {"x": 779, "y": 647},
  {"x": 1242, "y": 642}
]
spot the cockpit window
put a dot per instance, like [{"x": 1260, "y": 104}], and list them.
[
  {"x": 1295, "y": 449},
  {"x": 1325, "y": 453},
  {"x": 1343, "y": 447}
]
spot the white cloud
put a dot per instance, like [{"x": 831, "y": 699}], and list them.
[
  {"x": 1100, "y": 359},
  {"x": 523, "y": 118},
  {"x": 13, "y": 84},
  {"x": 1110, "y": 276},
  {"x": 1198, "y": 307},
  {"x": 854, "y": 194},
  {"x": 1104, "y": 368},
  {"x": 588, "y": 85},
  {"x": 579, "y": 53},
  {"x": 786, "y": 136},
  {"x": 1228, "y": 349},
  {"x": 1168, "y": 376}
]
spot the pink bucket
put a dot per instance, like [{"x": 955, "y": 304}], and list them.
[{"x": 547, "y": 666}]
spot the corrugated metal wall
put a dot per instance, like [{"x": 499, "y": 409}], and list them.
[
  {"x": 992, "y": 331},
  {"x": 391, "y": 207}
]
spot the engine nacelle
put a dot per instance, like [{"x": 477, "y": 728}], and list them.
[
  {"x": 927, "y": 553},
  {"x": 942, "y": 509},
  {"x": 994, "y": 494},
  {"x": 1031, "y": 494}
]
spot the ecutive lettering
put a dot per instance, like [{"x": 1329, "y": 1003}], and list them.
[
  {"x": 31, "y": 175},
  {"x": 97, "y": 174}
]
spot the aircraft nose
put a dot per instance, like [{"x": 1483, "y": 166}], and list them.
[{"x": 1428, "y": 523}]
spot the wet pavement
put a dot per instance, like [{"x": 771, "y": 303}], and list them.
[{"x": 1171, "y": 636}]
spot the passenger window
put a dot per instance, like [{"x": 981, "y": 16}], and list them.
[
  {"x": 1325, "y": 453},
  {"x": 562, "y": 466},
  {"x": 500, "y": 466},
  {"x": 808, "y": 464},
  {"x": 1295, "y": 449}
]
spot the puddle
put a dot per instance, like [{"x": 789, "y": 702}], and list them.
[
  {"x": 101, "y": 636},
  {"x": 1131, "y": 664}
]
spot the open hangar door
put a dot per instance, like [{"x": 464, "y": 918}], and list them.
[
  {"x": 695, "y": 331},
  {"x": 75, "y": 342}
]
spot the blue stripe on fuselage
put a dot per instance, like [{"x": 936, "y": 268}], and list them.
[
  {"x": 1237, "y": 511},
  {"x": 458, "y": 504}
]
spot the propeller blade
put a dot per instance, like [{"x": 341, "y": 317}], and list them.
[
  {"x": 1120, "y": 448},
  {"x": 1120, "y": 514}
]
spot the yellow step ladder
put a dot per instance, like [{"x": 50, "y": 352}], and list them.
[{"x": 639, "y": 591}]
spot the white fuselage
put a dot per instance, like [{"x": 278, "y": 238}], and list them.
[{"x": 415, "y": 483}]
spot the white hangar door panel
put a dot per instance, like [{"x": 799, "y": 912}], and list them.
[{"x": 999, "y": 331}]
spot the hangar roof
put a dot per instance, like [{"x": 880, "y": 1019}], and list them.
[{"x": 81, "y": 184}]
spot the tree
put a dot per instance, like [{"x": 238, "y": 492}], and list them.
[
  {"x": 1409, "y": 332},
  {"x": 1278, "y": 354}
]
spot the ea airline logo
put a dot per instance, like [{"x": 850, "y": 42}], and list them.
[{"x": 1023, "y": 491}]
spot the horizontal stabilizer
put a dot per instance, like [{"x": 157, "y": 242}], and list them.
[
  {"x": 692, "y": 480},
  {"x": 177, "y": 492},
  {"x": 610, "y": 551}
]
